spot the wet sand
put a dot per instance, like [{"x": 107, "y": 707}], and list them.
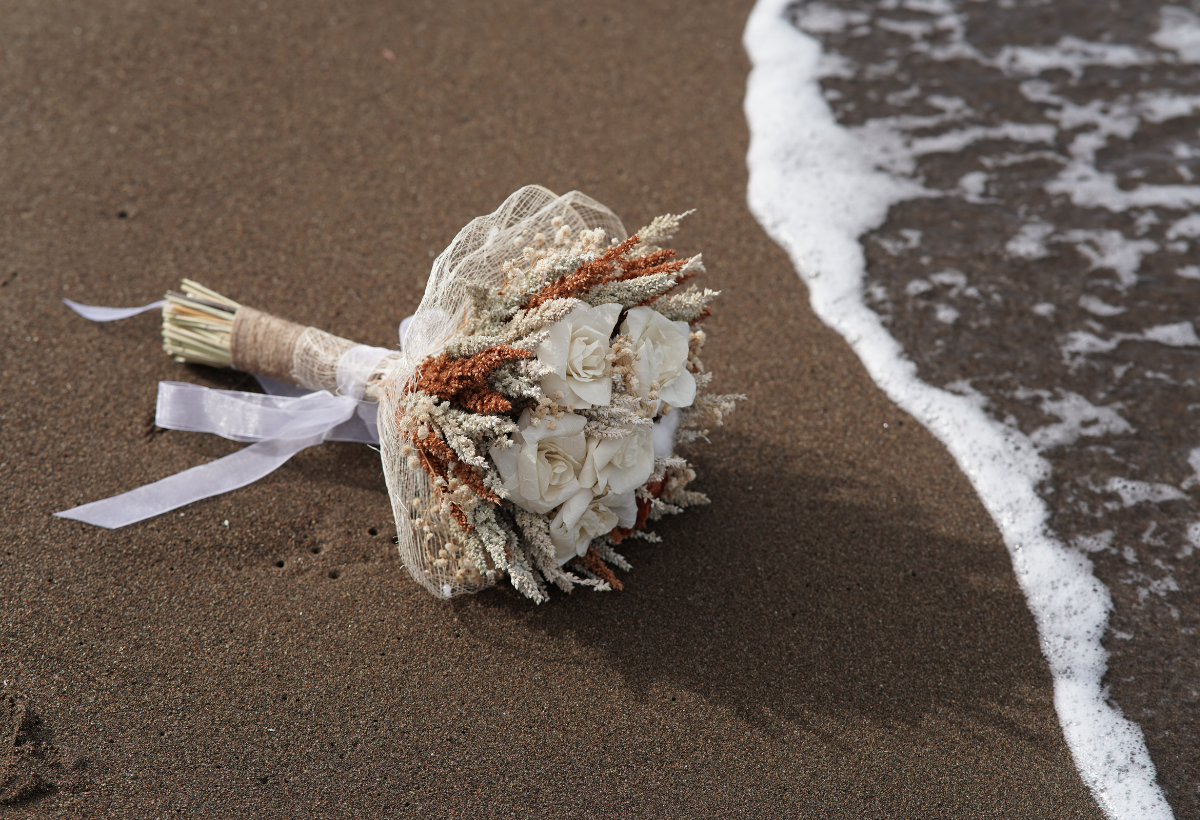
[
  {"x": 1004, "y": 334},
  {"x": 838, "y": 635}
]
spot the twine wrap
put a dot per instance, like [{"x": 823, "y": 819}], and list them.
[
  {"x": 269, "y": 346},
  {"x": 263, "y": 344},
  {"x": 430, "y": 540}
]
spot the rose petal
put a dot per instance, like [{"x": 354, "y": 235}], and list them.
[
  {"x": 624, "y": 505},
  {"x": 680, "y": 391}
]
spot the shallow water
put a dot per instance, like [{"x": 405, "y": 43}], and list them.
[{"x": 1039, "y": 259}]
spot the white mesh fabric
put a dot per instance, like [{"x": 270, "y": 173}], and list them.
[
  {"x": 316, "y": 359},
  {"x": 429, "y": 543}
]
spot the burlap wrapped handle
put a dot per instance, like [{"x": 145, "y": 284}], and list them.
[{"x": 286, "y": 351}]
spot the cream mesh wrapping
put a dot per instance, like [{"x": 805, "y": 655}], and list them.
[
  {"x": 316, "y": 357},
  {"x": 475, "y": 256}
]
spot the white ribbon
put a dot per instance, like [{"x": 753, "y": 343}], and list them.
[
  {"x": 281, "y": 426},
  {"x": 110, "y": 314},
  {"x": 355, "y": 365},
  {"x": 240, "y": 416},
  {"x": 662, "y": 435}
]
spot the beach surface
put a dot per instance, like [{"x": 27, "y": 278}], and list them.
[{"x": 840, "y": 634}]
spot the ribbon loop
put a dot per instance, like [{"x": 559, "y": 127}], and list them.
[
  {"x": 241, "y": 416},
  {"x": 99, "y": 313}
]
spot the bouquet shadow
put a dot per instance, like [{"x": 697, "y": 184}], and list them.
[{"x": 803, "y": 600}]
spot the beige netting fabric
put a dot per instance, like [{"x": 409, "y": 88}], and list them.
[
  {"x": 428, "y": 539},
  {"x": 318, "y": 355},
  {"x": 315, "y": 359},
  {"x": 263, "y": 344},
  {"x": 273, "y": 347}
]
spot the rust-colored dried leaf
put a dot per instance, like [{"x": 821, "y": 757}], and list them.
[
  {"x": 658, "y": 262},
  {"x": 433, "y": 445},
  {"x": 470, "y": 476},
  {"x": 585, "y": 277},
  {"x": 460, "y": 518},
  {"x": 465, "y": 381},
  {"x": 595, "y": 564},
  {"x": 433, "y": 466}
]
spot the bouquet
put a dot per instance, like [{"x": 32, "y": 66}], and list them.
[{"x": 528, "y": 424}]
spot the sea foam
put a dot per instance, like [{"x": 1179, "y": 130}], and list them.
[{"x": 816, "y": 187}]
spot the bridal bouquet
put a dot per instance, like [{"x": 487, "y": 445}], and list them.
[{"x": 528, "y": 425}]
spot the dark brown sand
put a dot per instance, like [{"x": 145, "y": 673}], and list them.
[{"x": 838, "y": 635}]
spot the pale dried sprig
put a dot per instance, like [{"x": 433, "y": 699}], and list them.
[
  {"x": 527, "y": 582},
  {"x": 489, "y": 532},
  {"x": 601, "y": 429},
  {"x": 512, "y": 382},
  {"x": 663, "y": 465},
  {"x": 686, "y": 306},
  {"x": 646, "y": 535},
  {"x": 590, "y": 578},
  {"x": 549, "y": 267},
  {"x": 431, "y": 529},
  {"x": 460, "y": 495},
  {"x": 621, "y": 358},
  {"x": 464, "y": 431},
  {"x": 710, "y": 410},
  {"x": 696, "y": 339},
  {"x": 625, "y": 412},
  {"x": 693, "y": 265},
  {"x": 631, "y": 292},
  {"x": 523, "y": 579},
  {"x": 533, "y": 369},
  {"x": 590, "y": 243},
  {"x": 660, "y": 509},
  {"x": 519, "y": 331},
  {"x": 604, "y": 548},
  {"x": 536, "y": 530},
  {"x": 661, "y": 229},
  {"x": 487, "y": 309},
  {"x": 689, "y": 498},
  {"x": 675, "y": 480},
  {"x": 476, "y": 555},
  {"x": 642, "y": 289},
  {"x": 537, "y": 534}
]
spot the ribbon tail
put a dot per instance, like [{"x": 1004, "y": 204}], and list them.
[
  {"x": 229, "y": 473},
  {"x": 97, "y": 313}
]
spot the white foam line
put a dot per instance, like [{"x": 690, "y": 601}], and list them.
[{"x": 814, "y": 190}]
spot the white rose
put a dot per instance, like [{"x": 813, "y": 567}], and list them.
[
  {"x": 577, "y": 350},
  {"x": 618, "y": 465},
  {"x": 662, "y": 353},
  {"x": 585, "y": 516},
  {"x": 541, "y": 469}
]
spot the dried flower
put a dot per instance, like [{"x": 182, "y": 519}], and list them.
[
  {"x": 542, "y": 470},
  {"x": 576, "y": 351},
  {"x": 584, "y": 517},
  {"x": 536, "y": 421},
  {"x": 662, "y": 356}
]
